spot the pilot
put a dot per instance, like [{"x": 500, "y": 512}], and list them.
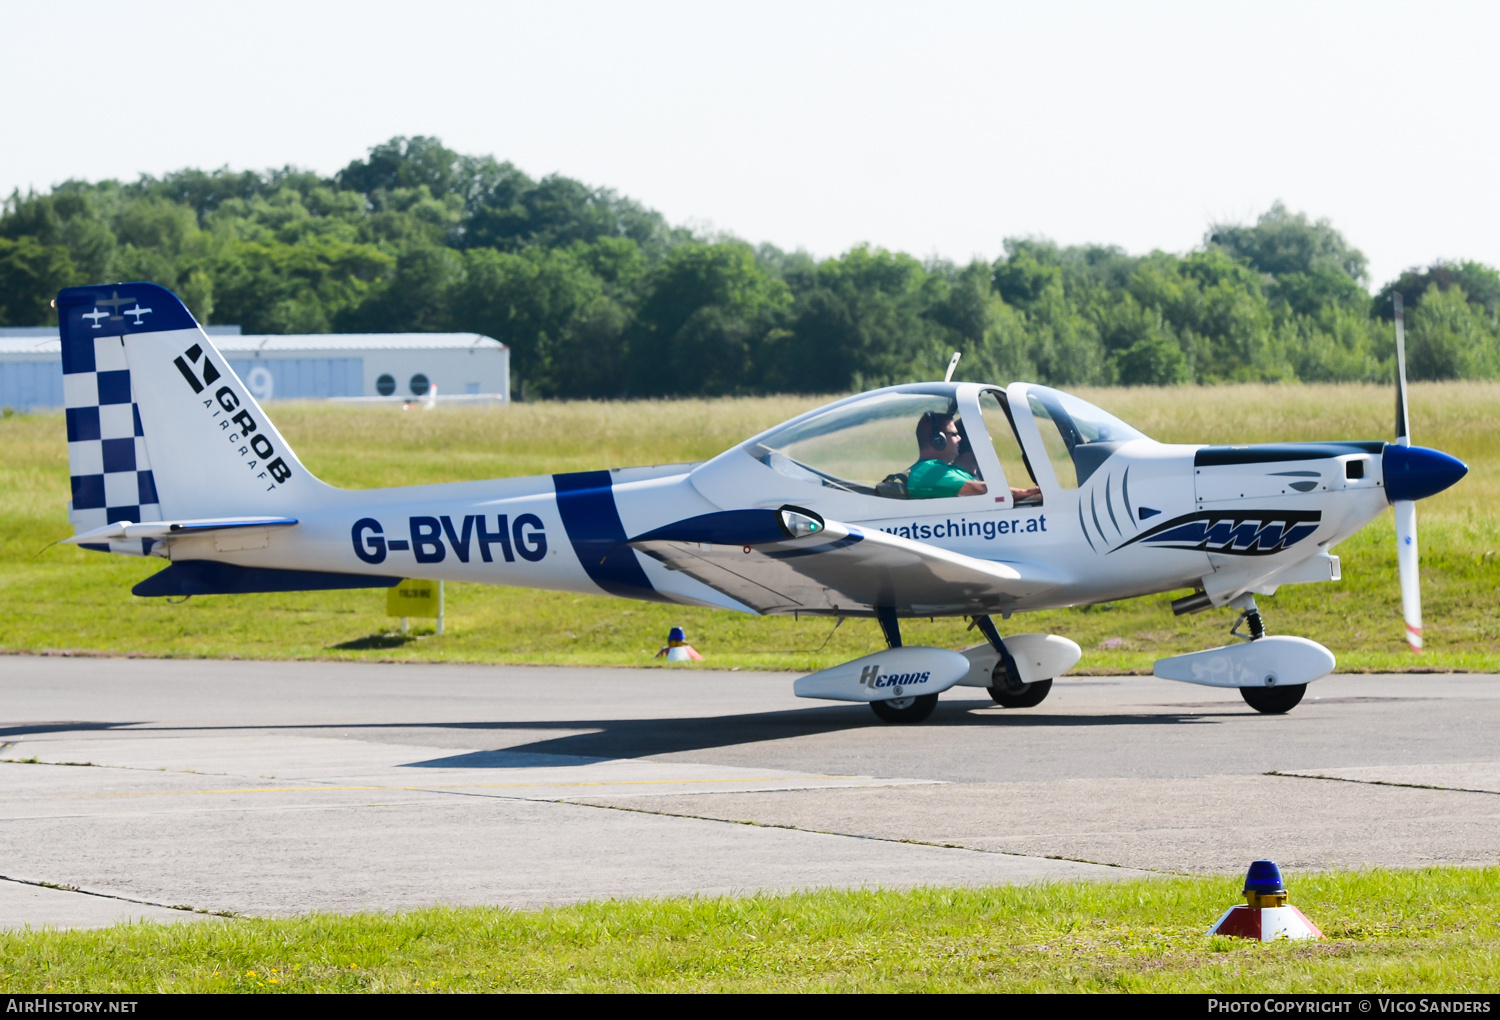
[{"x": 935, "y": 475}]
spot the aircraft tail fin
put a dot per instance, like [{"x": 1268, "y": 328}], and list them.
[{"x": 159, "y": 426}]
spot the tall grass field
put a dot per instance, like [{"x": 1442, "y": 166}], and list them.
[{"x": 59, "y": 598}]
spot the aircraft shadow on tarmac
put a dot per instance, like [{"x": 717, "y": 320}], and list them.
[
  {"x": 593, "y": 740},
  {"x": 606, "y": 739},
  {"x": 30, "y": 729}
]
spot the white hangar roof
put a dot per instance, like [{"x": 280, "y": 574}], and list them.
[{"x": 45, "y": 342}]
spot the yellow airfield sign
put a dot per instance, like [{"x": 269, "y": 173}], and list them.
[{"x": 414, "y": 598}]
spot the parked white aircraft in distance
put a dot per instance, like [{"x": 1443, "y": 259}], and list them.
[{"x": 928, "y": 499}]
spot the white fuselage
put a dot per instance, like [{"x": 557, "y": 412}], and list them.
[{"x": 1245, "y": 522}]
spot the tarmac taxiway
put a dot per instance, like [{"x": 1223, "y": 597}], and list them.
[{"x": 170, "y": 788}]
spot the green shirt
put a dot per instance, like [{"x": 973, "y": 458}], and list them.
[{"x": 935, "y": 479}]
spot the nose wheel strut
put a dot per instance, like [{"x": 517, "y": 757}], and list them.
[
  {"x": 1265, "y": 700},
  {"x": 1249, "y": 619}
]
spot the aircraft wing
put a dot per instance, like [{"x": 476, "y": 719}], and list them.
[{"x": 791, "y": 560}]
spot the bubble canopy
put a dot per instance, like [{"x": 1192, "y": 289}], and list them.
[
  {"x": 868, "y": 443},
  {"x": 1078, "y": 420},
  {"x": 1077, "y": 436},
  {"x": 854, "y": 444}
]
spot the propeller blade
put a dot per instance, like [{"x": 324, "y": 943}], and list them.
[
  {"x": 1406, "y": 565},
  {"x": 1406, "y": 509},
  {"x": 1403, "y": 423}
]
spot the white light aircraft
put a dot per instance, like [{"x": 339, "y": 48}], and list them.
[{"x": 921, "y": 500}]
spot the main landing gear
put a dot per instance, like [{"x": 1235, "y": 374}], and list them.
[
  {"x": 914, "y": 708},
  {"x": 1266, "y": 700},
  {"x": 1008, "y": 689},
  {"x": 1022, "y": 696}
]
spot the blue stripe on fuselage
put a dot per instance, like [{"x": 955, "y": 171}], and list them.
[{"x": 586, "y": 503}]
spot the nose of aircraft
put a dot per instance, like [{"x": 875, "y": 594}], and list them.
[{"x": 1415, "y": 472}]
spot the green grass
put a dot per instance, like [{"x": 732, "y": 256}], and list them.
[
  {"x": 1434, "y": 930},
  {"x": 62, "y": 598}
]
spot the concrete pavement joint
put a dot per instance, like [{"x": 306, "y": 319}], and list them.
[
  {"x": 1379, "y": 782},
  {"x": 37, "y": 883},
  {"x": 59, "y": 764},
  {"x": 95, "y": 765},
  {"x": 847, "y": 835}
]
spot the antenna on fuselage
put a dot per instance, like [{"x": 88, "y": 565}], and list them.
[{"x": 948, "y": 375}]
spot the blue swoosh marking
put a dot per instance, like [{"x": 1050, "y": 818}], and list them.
[
  {"x": 726, "y": 527},
  {"x": 586, "y": 503}
]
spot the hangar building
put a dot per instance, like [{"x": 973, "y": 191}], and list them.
[{"x": 348, "y": 366}]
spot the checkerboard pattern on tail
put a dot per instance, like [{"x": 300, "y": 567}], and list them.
[
  {"x": 108, "y": 450},
  {"x": 108, "y": 457}
]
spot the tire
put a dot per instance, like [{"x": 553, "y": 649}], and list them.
[
  {"x": 1029, "y": 696},
  {"x": 1273, "y": 700},
  {"x": 905, "y": 710}
]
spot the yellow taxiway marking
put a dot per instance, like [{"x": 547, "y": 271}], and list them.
[{"x": 461, "y": 786}]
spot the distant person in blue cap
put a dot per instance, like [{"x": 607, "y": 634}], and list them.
[{"x": 677, "y": 649}]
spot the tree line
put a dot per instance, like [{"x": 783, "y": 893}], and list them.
[{"x": 598, "y": 296}]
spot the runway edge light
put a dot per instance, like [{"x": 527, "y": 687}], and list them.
[{"x": 1266, "y": 915}]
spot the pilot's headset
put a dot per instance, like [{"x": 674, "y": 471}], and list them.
[{"x": 933, "y": 428}]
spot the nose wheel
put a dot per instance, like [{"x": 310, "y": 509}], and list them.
[{"x": 1273, "y": 700}]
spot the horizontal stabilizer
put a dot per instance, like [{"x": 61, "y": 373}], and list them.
[
  {"x": 172, "y": 529},
  {"x": 207, "y": 577}
]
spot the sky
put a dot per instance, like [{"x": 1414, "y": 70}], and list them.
[{"x": 934, "y": 128}]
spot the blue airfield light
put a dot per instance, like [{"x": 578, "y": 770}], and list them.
[{"x": 1264, "y": 879}]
